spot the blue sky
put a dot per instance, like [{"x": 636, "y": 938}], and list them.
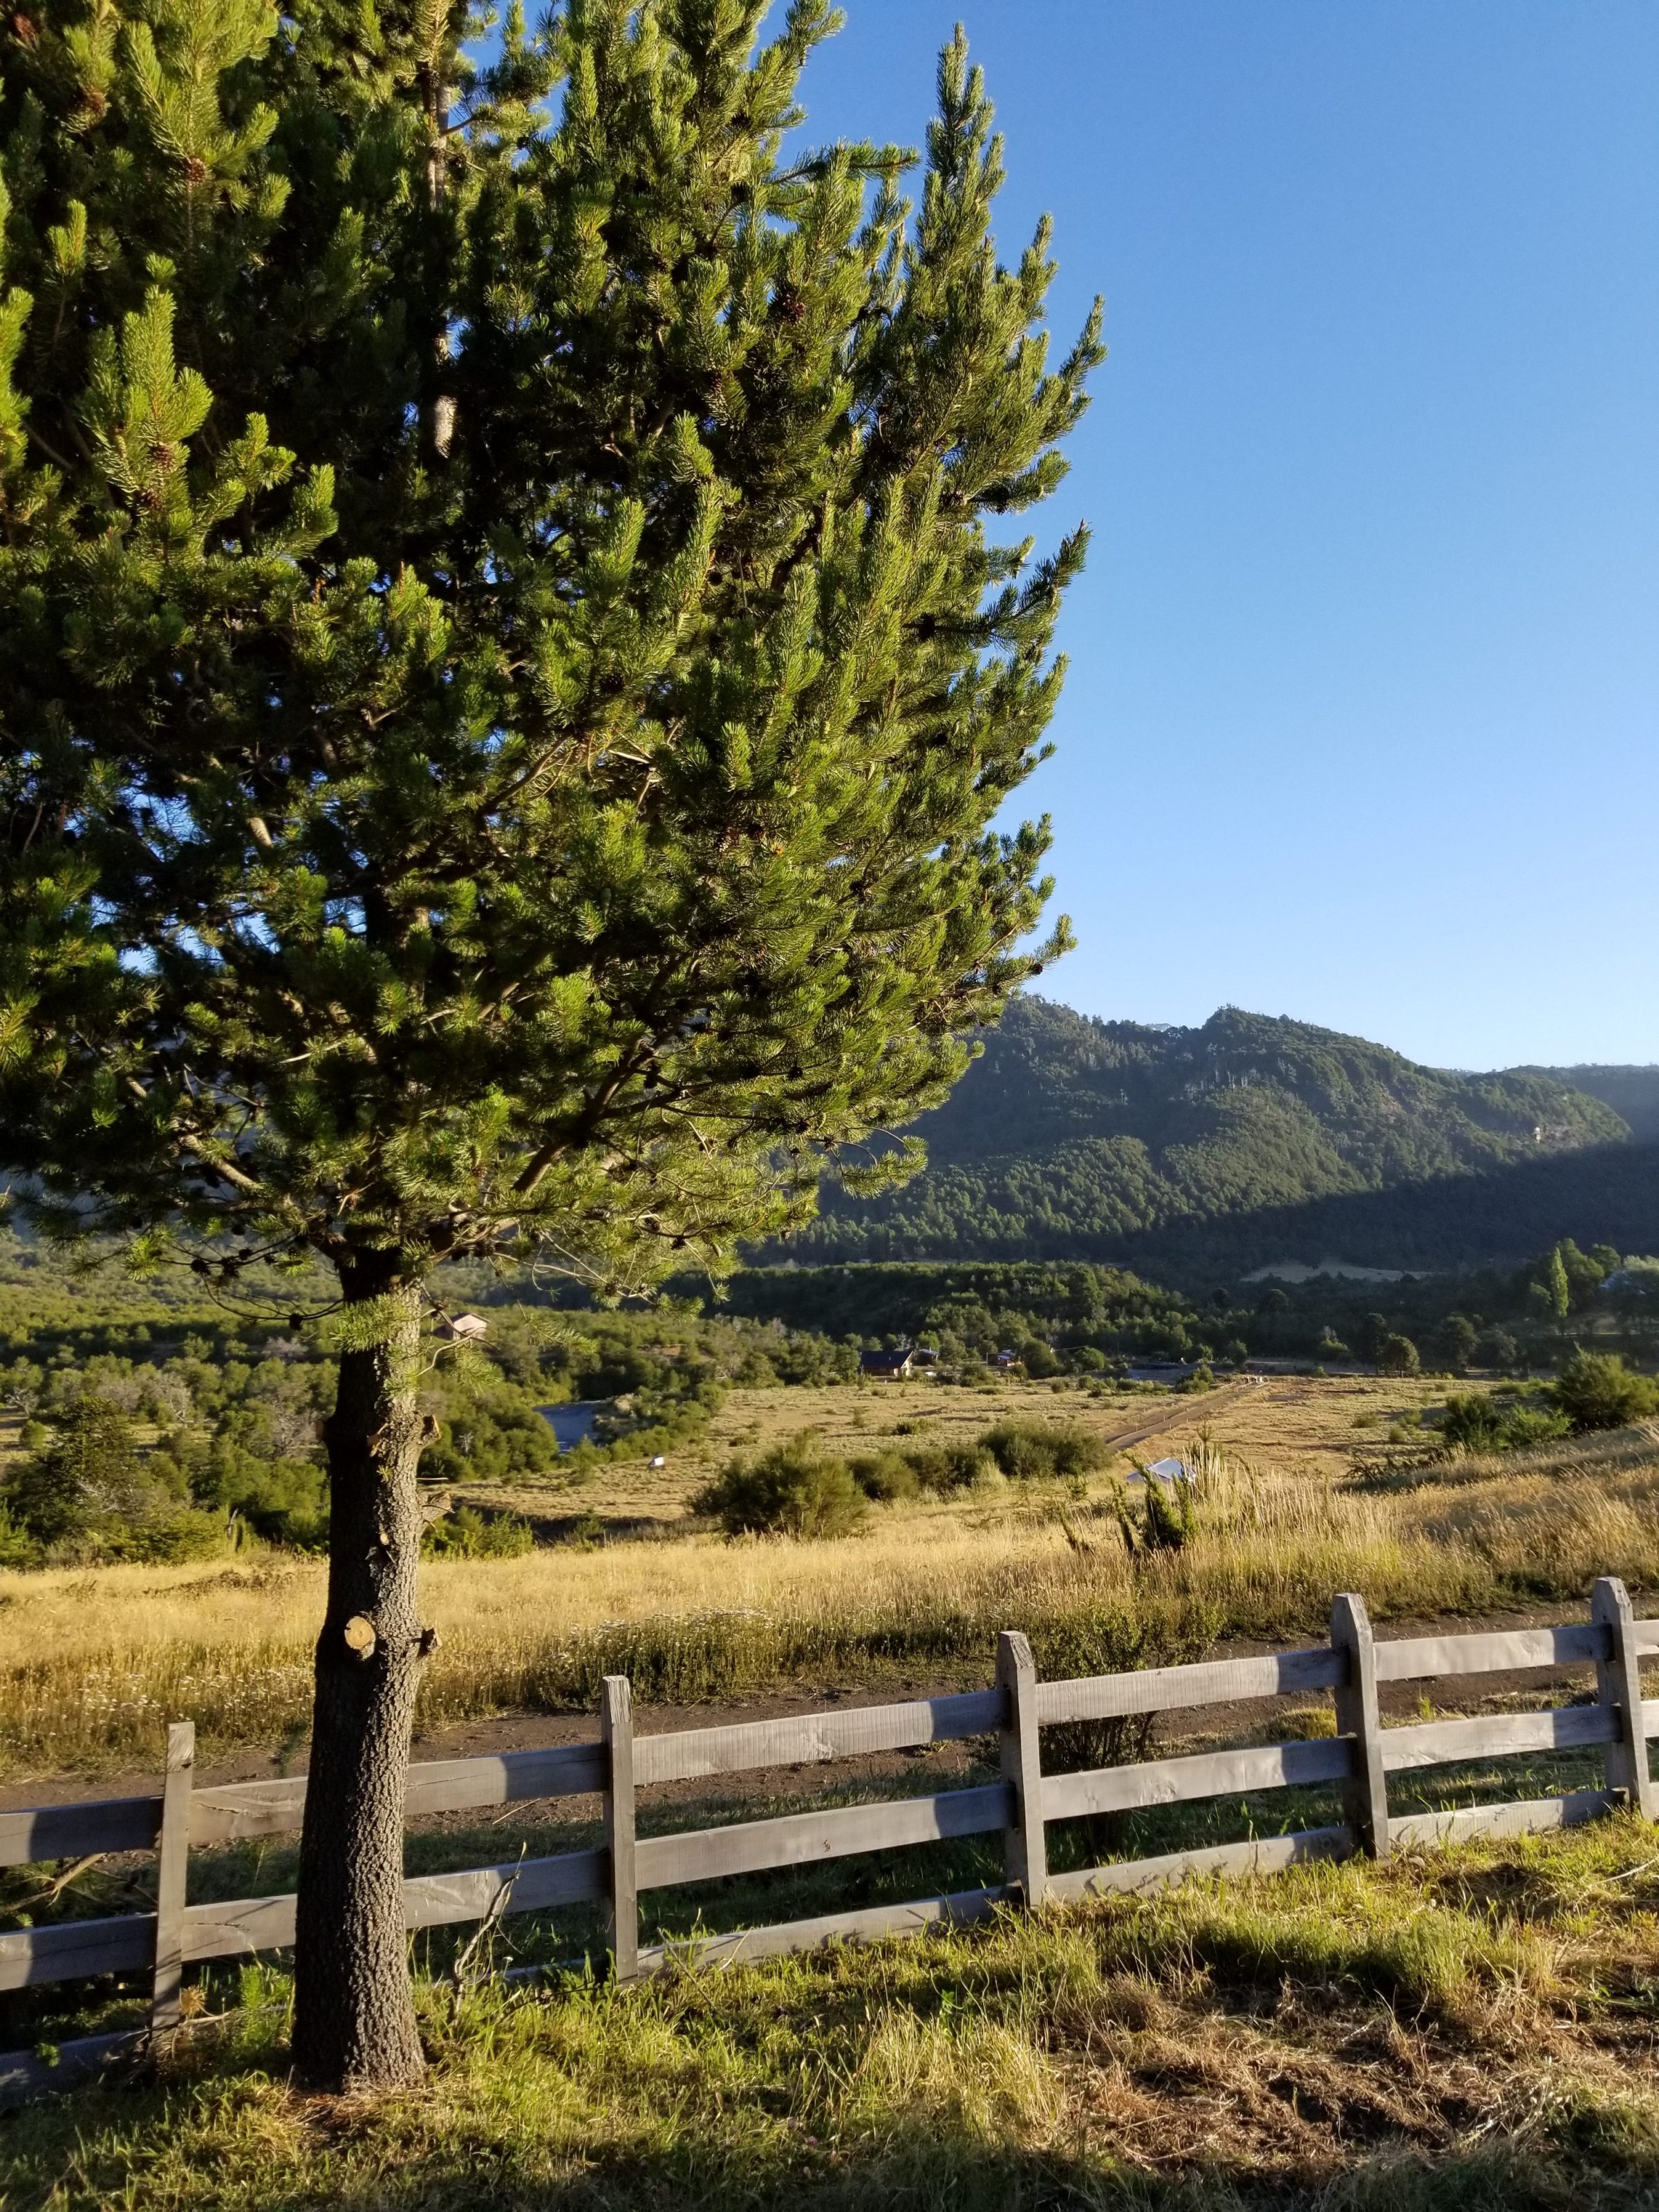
[{"x": 1364, "y": 698}]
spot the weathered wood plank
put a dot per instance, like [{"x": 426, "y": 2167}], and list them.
[
  {"x": 1208, "y": 1774},
  {"x": 237, "y": 1927},
  {"x": 1618, "y": 1687},
  {"x": 1494, "y": 1735},
  {"x": 803, "y": 1739},
  {"x": 68, "y": 1950},
  {"x": 34, "y": 1833},
  {"x": 1647, "y": 1637},
  {"x": 1410, "y": 1658},
  {"x": 24, "y": 2075},
  {"x": 617, "y": 1730},
  {"x": 1365, "y": 1793},
  {"x": 1024, "y": 1846},
  {"x": 436, "y": 1900},
  {"x": 867, "y": 1926},
  {"x": 801, "y": 1839},
  {"x": 1262, "y": 1855},
  {"x": 1169, "y": 1689},
  {"x": 233, "y": 1811},
  {"x": 241, "y": 1925},
  {"x": 172, "y": 1874},
  {"x": 1525, "y": 1817}
]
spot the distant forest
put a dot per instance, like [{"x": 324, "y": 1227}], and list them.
[{"x": 1198, "y": 1154}]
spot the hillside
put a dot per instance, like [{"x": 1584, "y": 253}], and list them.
[
  {"x": 1194, "y": 1148},
  {"x": 1632, "y": 1093}
]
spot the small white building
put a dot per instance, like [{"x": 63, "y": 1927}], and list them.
[{"x": 465, "y": 1329}]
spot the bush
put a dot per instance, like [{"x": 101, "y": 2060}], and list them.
[
  {"x": 1473, "y": 1422},
  {"x": 1167, "y": 1519},
  {"x": 1037, "y": 1360},
  {"x": 171, "y": 1538},
  {"x": 1455, "y": 1342},
  {"x": 89, "y": 1493},
  {"x": 944, "y": 1467},
  {"x": 284, "y": 1500},
  {"x": 1477, "y": 1424},
  {"x": 469, "y": 1534},
  {"x": 17, "y": 1547},
  {"x": 796, "y": 1489},
  {"x": 1597, "y": 1390},
  {"x": 1030, "y": 1451},
  {"x": 1496, "y": 1348},
  {"x": 1398, "y": 1355},
  {"x": 887, "y": 1477}
]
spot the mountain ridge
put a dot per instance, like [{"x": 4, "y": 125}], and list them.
[{"x": 1072, "y": 1137}]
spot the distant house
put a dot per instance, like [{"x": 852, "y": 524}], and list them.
[
  {"x": 1172, "y": 1470},
  {"x": 465, "y": 1329},
  {"x": 1005, "y": 1359},
  {"x": 887, "y": 1366}
]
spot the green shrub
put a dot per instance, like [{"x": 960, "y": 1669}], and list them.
[
  {"x": 1032, "y": 1451},
  {"x": 467, "y": 1534},
  {"x": 1478, "y": 1423},
  {"x": 1168, "y": 1518},
  {"x": 1497, "y": 1348},
  {"x": 284, "y": 1500},
  {"x": 171, "y": 1538},
  {"x": 1398, "y": 1355},
  {"x": 1037, "y": 1358},
  {"x": 1525, "y": 1426},
  {"x": 944, "y": 1467},
  {"x": 1473, "y": 1422},
  {"x": 886, "y": 1477},
  {"x": 1455, "y": 1341},
  {"x": 1597, "y": 1390},
  {"x": 17, "y": 1547},
  {"x": 89, "y": 1493},
  {"x": 796, "y": 1489}
]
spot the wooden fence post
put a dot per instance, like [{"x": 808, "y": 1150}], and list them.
[
  {"x": 171, "y": 1868},
  {"x": 1618, "y": 1688},
  {"x": 617, "y": 1730},
  {"x": 1025, "y": 1855},
  {"x": 1366, "y": 1791}
]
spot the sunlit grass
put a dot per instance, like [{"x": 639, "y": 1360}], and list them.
[
  {"x": 1459, "y": 2029},
  {"x": 98, "y": 1660}
]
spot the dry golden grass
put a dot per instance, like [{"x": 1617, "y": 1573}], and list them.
[
  {"x": 95, "y": 1661},
  {"x": 1302, "y": 1422}
]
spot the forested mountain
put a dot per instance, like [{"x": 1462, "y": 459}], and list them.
[
  {"x": 1119, "y": 1141},
  {"x": 1632, "y": 1093}
]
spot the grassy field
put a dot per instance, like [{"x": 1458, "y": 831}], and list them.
[
  {"x": 99, "y": 1659},
  {"x": 1475, "y": 2028},
  {"x": 1472, "y": 2030}
]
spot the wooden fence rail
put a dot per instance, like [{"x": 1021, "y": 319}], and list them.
[{"x": 616, "y": 1766}]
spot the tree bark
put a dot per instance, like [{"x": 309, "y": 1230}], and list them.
[{"x": 353, "y": 2016}]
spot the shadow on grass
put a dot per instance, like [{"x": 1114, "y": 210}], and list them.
[{"x": 153, "y": 2145}]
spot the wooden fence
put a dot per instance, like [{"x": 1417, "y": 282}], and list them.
[{"x": 1360, "y": 1757}]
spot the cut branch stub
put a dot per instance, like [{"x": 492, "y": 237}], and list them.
[{"x": 359, "y": 1634}]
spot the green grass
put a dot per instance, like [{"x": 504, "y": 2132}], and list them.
[{"x": 1472, "y": 2029}]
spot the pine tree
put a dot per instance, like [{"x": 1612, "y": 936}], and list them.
[
  {"x": 89, "y": 1477},
  {"x": 510, "y": 654}
]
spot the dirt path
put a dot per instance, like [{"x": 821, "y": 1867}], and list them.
[{"x": 1213, "y": 1402}]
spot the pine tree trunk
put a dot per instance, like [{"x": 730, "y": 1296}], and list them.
[{"x": 354, "y": 2019}]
